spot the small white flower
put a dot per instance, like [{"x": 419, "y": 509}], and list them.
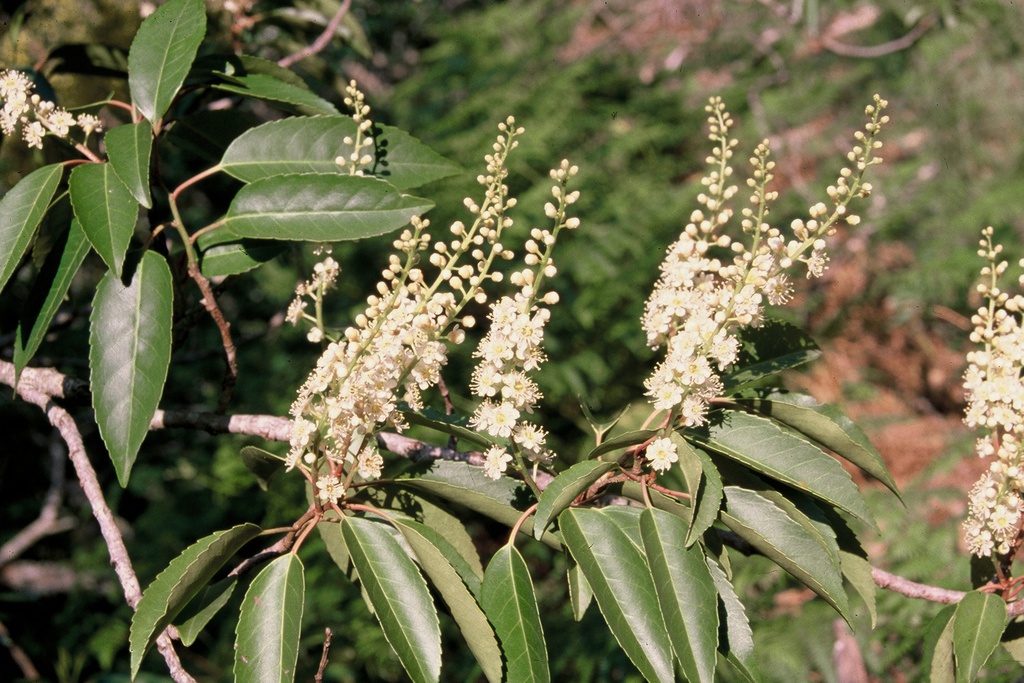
[
  {"x": 497, "y": 459},
  {"x": 329, "y": 489},
  {"x": 661, "y": 454}
]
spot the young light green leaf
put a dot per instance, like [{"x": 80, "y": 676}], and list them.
[
  {"x": 240, "y": 257},
  {"x": 448, "y": 571},
  {"x": 826, "y": 425},
  {"x": 736, "y": 640},
  {"x": 285, "y": 95},
  {"x": 128, "y": 149},
  {"x": 622, "y": 441},
  {"x": 509, "y": 601},
  {"x": 764, "y": 447},
  {"x": 175, "y": 586},
  {"x": 616, "y": 569},
  {"x": 106, "y": 210},
  {"x": 129, "y": 353},
  {"x": 703, "y": 483},
  {"x": 784, "y": 541},
  {"x": 270, "y": 623},
  {"x": 978, "y": 624},
  {"x": 399, "y": 596},
  {"x": 21, "y": 211},
  {"x": 503, "y": 500},
  {"x": 162, "y": 53},
  {"x": 191, "y": 621},
  {"x": 564, "y": 488},
  {"x": 938, "y": 647},
  {"x": 686, "y": 592},
  {"x": 48, "y": 292},
  {"x": 263, "y": 464},
  {"x": 320, "y": 207}
]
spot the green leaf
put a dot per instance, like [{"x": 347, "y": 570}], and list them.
[
  {"x": 438, "y": 559},
  {"x": 128, "y": 149},
  {"x": 106, "y": 209},
  {"x": 508, "y": 598},
  {"x": 48, "y": 292},
  {"x": 736, "y": 640},
  {"x": 270, "y": 623},
  {"x": 580, "y": 592},
  {"x": 129, "y": 353},
  {"x": 977, "y": 627},
  {"x": 274, "y": 90},
  {"x": 703, "y": 483},
  {"x": 1013, "y": 640},
  {"x": 191, "y": 621},
  {"x": 312, "y": 144},
  {"x": 263, "y": 464},
  {"x": 622, "y": 441},
  {"x": 564, "y": 488},
  {"x": 453, "y": 425},
  {"x": 399, "y": 596},
  {"x": 206, "y": 134},
  {"x": 786, "y": 542},
  {"x": 238, "y": 257},
  {"x": 503, "y": 500},
  {"x": 330, "y": 533},
  {"x": 857, "y": 572},
  {"x": 768, "y": 350},
  {"x": 764, "y": 447},
  {"x": 320, "y": 208},
  {"x": 21, "y": 211},
  {"x": 623, "y": 586},
  {"x": 826, "y": 425},
  {"x": 175, "y": 586},
  {"x": 938, "y": 647},
  {"x": 686, "y": 592},
  {"x": 162, "y": 53}
]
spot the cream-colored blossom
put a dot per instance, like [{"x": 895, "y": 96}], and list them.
[
  {"x": 662, "y": 454},
  {"x": 496, "y": 462}
]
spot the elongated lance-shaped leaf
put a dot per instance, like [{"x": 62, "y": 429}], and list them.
[
  {"x": 438, "y": 559},
  {"x": 129, "y": 353},
  {"x": 622, "y": 441},
  {"x": 270, "y": 623},
  {"x": 399, "y": 595},
  {"x": 106, "y": 210},
  {"x": 162, "y": 53},
  {"x": 48, "y": 292},
  {"x": 235, "y": 258},
  {"x": 283, "y": 94},
  {"x": 463, "y": 558},
  {"x": 686, "y": 592},
  {"x": 857, "y": 572},
  {"x": 312, "y": 144},
  {"x": 191, "y": 621},
  {"x": 580, "y": 592},
  {"x": 977, "y": 627},
  {"x": 784, "y": 541},
  {"x": 128, "y": 149},
  {"x": 564, "y": 488},
  {"x": 767, "y": 350},
  {"x": 703, "y": 483},
  {"x": 175, "y": 586},
  {"x": 826, "y": 425},
  {"x": 320, "y": 207},
  {"x": 736, "y": 640},
  {"x": 623, "y": 586},
  {"x": 263, "y": 464},
  {"x": 508, "y": 598},
  {"x": 765, "y": 448},
  {"x": 937, "y": 651},
  {"x": 21, "y": 211},
  {"x": 453, "y": 425}
]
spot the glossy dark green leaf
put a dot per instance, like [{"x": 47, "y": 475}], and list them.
[
  {"x": 263, "y": 464},
  {"x": 623, "y": 586},
  {"x": 21, "y": 211},
  {"x": 162, "y": 54},
  {"x": 703, "y": 483},
  {"x": 765, "y": 448},
  {"x": 285, "y": 95},
  {"x": 938, "y": 647},
  {"x": 503, "y": 500},
  {"x": 453, "y": 425},
  {"x": 175, "y": 586},
  {"x": 508, "y": 598},
  {"x": 320, "y": 208},
  {"x": 128, "y": 149},
  {"x": 826, "y": 425},
  {"x": 580, "y": 592},
  {"x": 622, "y": 441},
  {"x": 129, "y": 353},
  {"x": 564, "y": 488},
  {"x": 399, "y": 595},
  {"x": 440, "y": 521},
  {"x": 106, "y": 209},
  {"x": 236, "y": 258},
  {"x": 767, "y": 350},
  {"x": 686, "y": 592},
  {"x": 191, "y": 621},
  {"x": 439, "y": 560},
  {"x": 784, "y": 541},
  {"x": 978, "y": 625},
  {"x": 736, "y": 640},
  {"x": 206, "y": 134},
  {"x": 270, "y": 623},
  {"x": 48, "y": 292}
]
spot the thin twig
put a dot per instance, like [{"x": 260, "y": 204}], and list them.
[
  {"x": 20, "y": 657},
  {"x": 209, "y": 302},
  {"x": 873, "y": 51},
  {"x": 322, "y": 40},
  {"x": 323, "y": 656}
]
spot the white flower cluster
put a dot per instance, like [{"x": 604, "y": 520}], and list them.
[
  {"x": 995, "y": 402},
  {"x": 357, "y": 159},
  {"x": 396, "y": 348},
  {"x": 36, "y": 116},
  {"x": 512, "y": 346},
  {"x": 712, "y": 286}
]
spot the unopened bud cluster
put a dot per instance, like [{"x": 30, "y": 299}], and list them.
[
  {"x": 358, "y": 159},
  {"x": 36, "y": 117},
  {"x": 995, "y": 402},
  {"x": 711, "y": 285}
]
